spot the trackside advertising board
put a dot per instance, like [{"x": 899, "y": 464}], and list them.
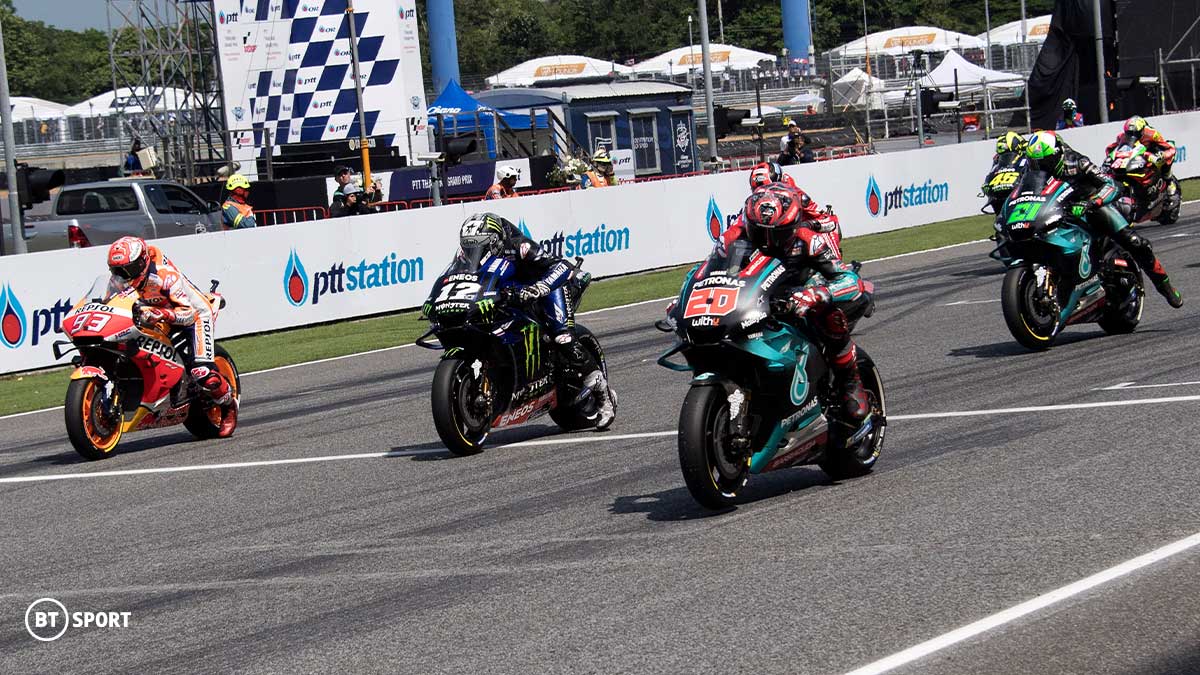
[{"x": 293, "y": 275}]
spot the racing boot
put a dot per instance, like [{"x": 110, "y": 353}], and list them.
[
  {"x": 1143, "y": 253},
  {"x": 213, "y": 385},
  {"x": 596, "y": 382},
  {"x": 855, "y": 405}
]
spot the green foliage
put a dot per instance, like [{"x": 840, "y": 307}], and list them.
[{"x": 58, "y": 65}]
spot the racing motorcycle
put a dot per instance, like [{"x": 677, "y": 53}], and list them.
[
  {"x": 997, "y": 185},
  {"x": 762, "y": 396},
  {"x": 131, "y": 376},
  {"x": 1144, "y": 191},
  {"x": 498, "y": 367},
  {"x": 1059, "y": 274}
]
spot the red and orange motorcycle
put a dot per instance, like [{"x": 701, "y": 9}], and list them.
[
  {"x": 1144, "y": 189},
  {"x": 131, "y": 376}
]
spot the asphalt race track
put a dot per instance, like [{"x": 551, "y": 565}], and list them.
[{"x": 584, "y": 553}]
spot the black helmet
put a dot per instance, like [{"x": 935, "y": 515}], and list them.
[{"x": 481, "y": 234}]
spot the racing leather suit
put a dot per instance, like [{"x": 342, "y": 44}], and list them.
[
  {"x": 1098, "y": 191},
  {"x": 189, "y": 311},
  {"x": 545, "y": 275},
  {"x": 830, "y": 297},
  {"x": 1003, "y": 162}
]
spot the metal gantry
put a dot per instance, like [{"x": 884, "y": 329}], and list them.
[{"x": 166, "y": 74}]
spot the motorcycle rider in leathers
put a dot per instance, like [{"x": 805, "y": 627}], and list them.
[
  {"x": 1138, "y": 130},
  {"x": 166, "y": 295},
  {"x": 1050, "y": 153},
  {"x": 545, "y": 276},
  {"x": 784, "y": 223}
]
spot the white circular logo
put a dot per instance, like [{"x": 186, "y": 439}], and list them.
[{"x": 51, "y": 618}]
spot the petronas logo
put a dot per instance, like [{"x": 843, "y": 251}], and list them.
[{"x": 533, "y": 352}]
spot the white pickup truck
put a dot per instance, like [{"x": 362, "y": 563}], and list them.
[{"x": 97, "y": 214}]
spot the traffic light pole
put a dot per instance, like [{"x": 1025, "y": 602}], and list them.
[
  {"x": 362, "y": 121},
  {"x": 10, "y": 159}
]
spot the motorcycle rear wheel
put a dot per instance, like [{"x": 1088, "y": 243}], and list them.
[
  {"x": 92, "y": 436},
  {"x": 1031, "y": 327},
  {"x": 711, "y": 477},
  {"x": 206, "y": 419},
  {"x": 1121, "y": 318},
  {"x": 461, "y": 430},
  {"x": 860, "y": 459}
]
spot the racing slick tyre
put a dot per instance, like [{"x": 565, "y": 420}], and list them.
[
  {"x": 858, "y": 459},
  {"x": 582, "y": 415},
  {"x": 208, "y": 420},
  {"x": 1030, "y": 319},
  {"x": 455, "y": 397},
  {"x": 712, "y": 472},
  {"x": 93, "y": 417}
]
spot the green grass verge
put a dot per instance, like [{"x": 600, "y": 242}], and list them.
[{"x": 47, "y": 388}]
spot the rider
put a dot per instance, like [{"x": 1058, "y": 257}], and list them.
[
  {"x": 769, "y": 172},
  {"x": 1071, "y": 116},
  {"x": 1051, "y": 154},
  {"x": 165, "y": 294},
  {"x": 784, "y": 223},
  {"x": 1010, "y": 156},
  {"x": 1138, "y": 130},
  {"x": 545, "y": 276}
]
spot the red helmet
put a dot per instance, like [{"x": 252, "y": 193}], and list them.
[
  {"x": 771, "y": 215},
  {"x": 129, "y": 258},
  {"x": 766, "y": 173}
]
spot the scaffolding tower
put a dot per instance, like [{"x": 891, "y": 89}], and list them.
[{"x": 164, "y": 53}]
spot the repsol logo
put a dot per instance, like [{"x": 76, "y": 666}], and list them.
[
  {"x": 881, "y": 203},
  {"x": 602, "y": 239},
  {"x": 391, "y": 270},
  {"x": 16, "y": 326}
]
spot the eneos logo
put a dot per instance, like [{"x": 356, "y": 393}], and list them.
[
  {"x": 880, "y": 203},
  {"x": 580, "y": 243},
  {"x": 391, "y": 270},
  {"x": 14, "y": 323}
]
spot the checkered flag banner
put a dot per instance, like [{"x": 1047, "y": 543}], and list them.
[{"x": 286, "y": 68}]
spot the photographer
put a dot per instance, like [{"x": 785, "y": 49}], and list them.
[
  {"x": 796, "y": 151},
  {"x": 792, "y": 134},
  {"x": 353, "y": 203}
]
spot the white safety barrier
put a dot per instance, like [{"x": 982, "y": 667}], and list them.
[{"x": 305, "y": 273}]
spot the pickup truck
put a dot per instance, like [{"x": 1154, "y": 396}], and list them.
[{"x": 97, "y": 214}]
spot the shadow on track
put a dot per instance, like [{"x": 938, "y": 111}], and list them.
[
  {"x": 71, "y": 458},
  {"x": 1012, "y": 348},
  {"x": 677, "y": 504},
  {"x": 495, "y": 442}
]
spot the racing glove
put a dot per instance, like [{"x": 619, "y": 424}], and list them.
[
  {"x": 152, "y": 315},
  {"x": 533, "y": 292},
  {"x": 803, "y": 301}
]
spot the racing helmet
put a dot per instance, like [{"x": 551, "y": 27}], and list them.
[
  {"x": 129, "y": 259},
  {"x": 1134, "y": 126},
  {"x": 1045, "y": 150},
  {"x": 481, "y": 234},
  {"x": 1069, "y": 106},
  {"x": 1010, "y": 142},
  {"x": 771, "y": 214}
]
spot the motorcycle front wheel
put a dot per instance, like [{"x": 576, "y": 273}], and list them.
[
  {"x": 1030, "y": 319},
  {"x": 712, "y": 474},
  {"x": 455, "y": 396},
  {"x": 92, "y": 413}
]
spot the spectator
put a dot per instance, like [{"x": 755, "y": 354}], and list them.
[
  {"x": 353, "y": 203},
  {"x": 1071, "y": 117},
  {"x": 796, "y": 151},
  {"x": 792, "y": 132},
  {"x": 506, "y": 180},
  {"x": 344, "y": 176},
  {"x": 602, "y": 174},
  {"x": 236, "y": 213},
  {"x": 133, "y": 163}
]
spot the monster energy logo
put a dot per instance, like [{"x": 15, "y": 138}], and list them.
[
  {"x": 485, "y": 307},
  {"x": 533, "y": 353}
]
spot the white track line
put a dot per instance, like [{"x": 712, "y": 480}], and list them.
[
  {"x": 559, "y": 440},
  {"x": 1025, "y": 608}
]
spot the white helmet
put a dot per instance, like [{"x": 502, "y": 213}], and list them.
[{"x": 507, "y": 172}]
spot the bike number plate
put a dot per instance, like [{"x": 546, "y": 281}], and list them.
[{"x": 711, "y": 302}]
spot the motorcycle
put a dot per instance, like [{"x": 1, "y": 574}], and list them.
[
  {"x": 131, "y": 376},
  {"x": 1144, "y": 192},
  {"x": 997, "y": 185},
  {"x": 499, "y": 368},
  {"x": 762, "y": 397},
  {"x": 1059, "y": 274}
]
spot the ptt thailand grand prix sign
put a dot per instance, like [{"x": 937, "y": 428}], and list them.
[
  {"x": 390, "y": 270},
  {"x": 881, "y": 203}
]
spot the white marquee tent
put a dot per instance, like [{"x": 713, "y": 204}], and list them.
[
  {"x": 851, "y": 90},
  {"x": 560, "y": 67},
  {"x": 900, "y": 41},
  {"x": 28, "y": 107},
  {"x": 110, "y": 102},
  {"x": 971, "y": 79},
  {"x": 721, "y": 57},
  {"x": 1036, "y": 29}
]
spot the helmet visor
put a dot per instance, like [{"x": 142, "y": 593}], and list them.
[{"x": 130, "y": 270}]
